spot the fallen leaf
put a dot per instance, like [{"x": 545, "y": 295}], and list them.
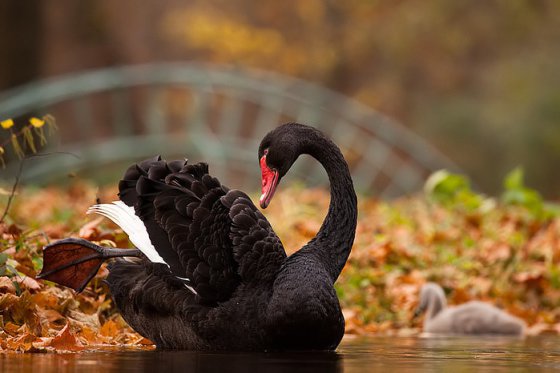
[
  {"x": 89, "y": 336},
  {"x": 83, "y": 319},
  {"x": 14, "y": 230},
  {"x": 109, "y": 329},
  {"x": 66, "y": 340},
  {"x": 500, "y": 251},
  {"x": 89, "y": 231},
  {"x": 28, "y": 283},
  {"x": 529, "y": 278},
  {"x": 353, "y": 324},
  {"x": 51, "y": 316},
  {"x": 6, "y": 285},
  {"x": 45, "y": 299},
  {"x": 460, "y": 295},
  {"x": 11, "y": 328},
  {"x": 21, "y": 343}
]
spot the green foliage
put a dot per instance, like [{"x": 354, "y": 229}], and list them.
[
  {"x": 516, "y": 193},
  {"x": 5, "y": 268},
  {"x": 452, "y": 190},
  {"x": 3, "y": 260}
]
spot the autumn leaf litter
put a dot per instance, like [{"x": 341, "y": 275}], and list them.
[{"x": 504, "y": 253}]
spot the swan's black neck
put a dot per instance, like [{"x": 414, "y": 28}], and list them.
[{"x": 334, "y": 240}]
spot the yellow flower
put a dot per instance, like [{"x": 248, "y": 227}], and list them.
[
  {"x": 7, "y": 123},
  {"x": 36, "y": 122}
]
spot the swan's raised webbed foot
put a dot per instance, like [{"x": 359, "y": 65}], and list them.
[{"x": 73, "y": 262}]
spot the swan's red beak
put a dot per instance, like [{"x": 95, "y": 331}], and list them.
[{"x": 269, "y": 179}]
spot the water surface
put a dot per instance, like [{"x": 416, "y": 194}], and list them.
[{"x": 365, "y": 354}]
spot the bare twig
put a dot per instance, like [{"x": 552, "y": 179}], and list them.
[
  {"x": 13, "y": 192},
  {"x": 18, "y": 176}
]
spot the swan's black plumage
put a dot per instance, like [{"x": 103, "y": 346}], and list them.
[{"x": 248, "y": 295}]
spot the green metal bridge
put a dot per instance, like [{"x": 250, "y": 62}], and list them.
[{"x": 111, "y": 117}]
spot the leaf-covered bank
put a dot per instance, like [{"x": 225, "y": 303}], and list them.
[{"x": 502, "y": 250}]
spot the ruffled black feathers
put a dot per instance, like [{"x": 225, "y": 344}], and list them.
[{"x": 215, "y": 237}]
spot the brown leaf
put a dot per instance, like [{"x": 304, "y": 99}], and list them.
[
  {"x": 89, "y": 231},
  {"x": 66, "y": 340},
  {"x": 55, "y": 230},
  {"x": 51, "y": 316},
  {"x": 11, "y": 251},
  {"x": 21, "y": 310},
  {"x": 21, "y": 343},
  {"x": 307, "y": 228},
  {"x": 529, "y": 278},
  {"x": 91, "y": 302},
  {"x": 499, "y": 251},
  {"x": 460, "y": 295},
  {"x": 28, "y": 283},
  {"x": 6, "y": 286},
  {"x": 81, "y": 319},
  {"x": 353, "y": 324},
  {"x": 14, "y": 230},
  {"x": 7, "y": 303}
]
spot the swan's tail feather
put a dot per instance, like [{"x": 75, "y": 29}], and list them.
[{"x": 73, "y": 262}]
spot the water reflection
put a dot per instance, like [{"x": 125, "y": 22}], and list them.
[
  {"x": 354, "y": 355},
  {"x": 500, "y": 354},
  {"x": 173, "y": 361}
]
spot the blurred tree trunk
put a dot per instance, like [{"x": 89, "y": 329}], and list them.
[{"x": 20, "y": 25}]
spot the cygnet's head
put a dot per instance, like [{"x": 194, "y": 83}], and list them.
[{"x": 431, "y": 297}]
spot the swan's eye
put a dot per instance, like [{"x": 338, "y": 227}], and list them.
[{"x": 265, "y": 152}]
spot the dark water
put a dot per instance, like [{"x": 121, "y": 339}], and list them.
[{"x": 382, "y": 354}]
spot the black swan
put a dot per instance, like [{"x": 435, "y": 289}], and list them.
[
  {"x": 473, "y": 317},
  {"x": 211, "y": 274}
]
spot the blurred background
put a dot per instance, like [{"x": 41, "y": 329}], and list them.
[{"x": 478, "y": 80}]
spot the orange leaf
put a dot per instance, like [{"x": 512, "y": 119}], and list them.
[
  {"x": 89, "y": 230},
  {"x": 22, "y": 343},
  {"x": 109, "y": 329},
  {"x": 89, "y": 335},
  {"x": 47, "y": 299},
  {"x": 11, "y": 328},
  {"x": 66, "y": 340}
]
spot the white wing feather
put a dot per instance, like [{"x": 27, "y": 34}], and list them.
[{"x": 125, "y": 217}]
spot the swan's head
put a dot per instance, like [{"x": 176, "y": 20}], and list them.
[
  {"x": 431, "y": 296},
  {"x": 279, "y": 149}
]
